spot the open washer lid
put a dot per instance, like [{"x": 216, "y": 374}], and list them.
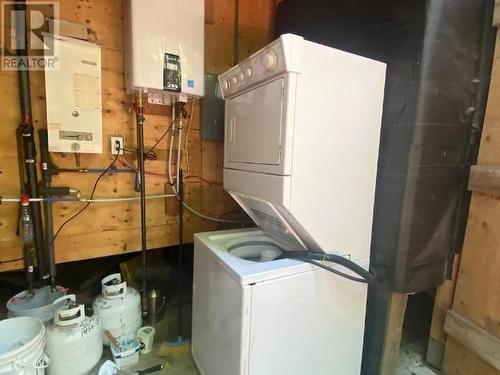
[
  {"x": 277, "y": 222},
  {"x": 247, "y": 271}
]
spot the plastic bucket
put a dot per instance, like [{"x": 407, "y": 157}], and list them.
[
  {"x": 22, "y": 341},
  {"x": 37, "y": 306}
]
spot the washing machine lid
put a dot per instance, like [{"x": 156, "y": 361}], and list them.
[
  {"x": 277, "y": 222},
  {"x": 245, "y": 271}
]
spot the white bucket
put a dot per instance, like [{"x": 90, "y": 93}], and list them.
[
  {"x": 22, "y": 341},
  {"x": 37, "y": 306}
]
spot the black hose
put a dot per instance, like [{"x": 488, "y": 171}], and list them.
[
  {"x": 316, "y": 258},
  {"x": 365, "y": 276}
]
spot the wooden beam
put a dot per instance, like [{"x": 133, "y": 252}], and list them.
[
  {"x": 395, "y": 319},
  {"x": 473, "y": 337},
  {"x": 485, "y": 179},
  {"x": 496, "y": 13},
  {"x": 442, "y": 303}
]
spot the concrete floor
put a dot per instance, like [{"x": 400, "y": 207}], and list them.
[
  {"x": 416, "y": 329},
  {"x": 412, "y": 362}
]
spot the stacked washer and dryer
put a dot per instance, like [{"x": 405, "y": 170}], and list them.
[{"x": 302, "y": 128}]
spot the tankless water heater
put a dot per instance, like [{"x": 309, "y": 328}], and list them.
[{"x": 165, "y": 48}]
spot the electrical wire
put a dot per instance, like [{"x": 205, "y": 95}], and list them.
[
  {"x": 188, "y": 131},
  {"x": 126, "y": 199},
  {"x": 124, "y": 161},
  {"x": 91, "y": 197},
  {"x": 189, "y": 208},
  {"x": 151, "y": 154}
]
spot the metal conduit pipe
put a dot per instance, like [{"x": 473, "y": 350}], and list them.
[
  {"x": 47, "y": 207},
  {"x": 139, "y": 108},
  {"x": 27, "y": 142},
  {"x": 86, "y": 200}
]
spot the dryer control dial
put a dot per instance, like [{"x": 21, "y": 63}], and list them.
[{"x": 269, "y": 60}]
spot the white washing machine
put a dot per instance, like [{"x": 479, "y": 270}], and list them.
[
  {"x": 302, "y": 127},
  {"x": 271, "y": 318}
]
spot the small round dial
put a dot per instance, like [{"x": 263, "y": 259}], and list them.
[
  {"x": 248, "y": 72},
  {"x": 241, "y": 76},
  {"x": 269, "y": 60},
  {"x": 234, "y": 79},
  {"x": 227, "y": 84}
]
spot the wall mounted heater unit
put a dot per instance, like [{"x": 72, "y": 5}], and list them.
[
  {"x": 73, "y": 97},
  {"x": 165, "y": 48}
]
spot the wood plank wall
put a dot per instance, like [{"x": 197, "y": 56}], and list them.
[
  {"x": 477, "y": 295},
  {"x": 108, "y": 229}
]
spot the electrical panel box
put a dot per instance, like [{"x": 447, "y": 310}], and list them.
[
  {"x": 74, "y": 97},
  {"x": 165, "y": 48},
  {"x": 212, "y": 110}
]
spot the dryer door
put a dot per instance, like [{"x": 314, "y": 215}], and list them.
[{"x": 254, "y": 125}]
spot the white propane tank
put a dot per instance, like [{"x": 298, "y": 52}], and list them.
[
  {"x": 119, "y": 309},
  {"x": 74, "y": 341}
]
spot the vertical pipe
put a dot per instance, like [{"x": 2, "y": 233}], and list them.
[
  {"x": 140, "y": 159},
  {"x": 181, "y": 229},
  {"x": 28, "y": 267},
  {"x": 25, "y": 131},
  {"x": 47, "y": 206},
  {"x": 179, "y": 141}
]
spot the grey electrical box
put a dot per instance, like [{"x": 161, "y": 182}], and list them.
[{"x": 212, "y": 110}]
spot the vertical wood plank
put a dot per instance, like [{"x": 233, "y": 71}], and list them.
[
  {"x": 395, "y": 319},
  {"x": 477, "y": 295}
]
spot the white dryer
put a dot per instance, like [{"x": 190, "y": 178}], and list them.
[{"x": 302, "y": 131}]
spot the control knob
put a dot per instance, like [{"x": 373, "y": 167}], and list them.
[{"x": 269, "y": 60}]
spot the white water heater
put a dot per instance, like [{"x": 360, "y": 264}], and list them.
[
  {"x": 73, "y": 96},
  {"x": 165, "y": 48}
]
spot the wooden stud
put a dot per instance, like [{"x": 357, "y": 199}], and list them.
[
  {"x": 474, "y": 338},
  {"x": 484, "y": 179},
  {"x": 394, "y": 330},
  {"x": 442, "y": 303}
]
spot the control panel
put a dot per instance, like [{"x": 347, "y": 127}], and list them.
[{"x": 262, "y": 65}]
